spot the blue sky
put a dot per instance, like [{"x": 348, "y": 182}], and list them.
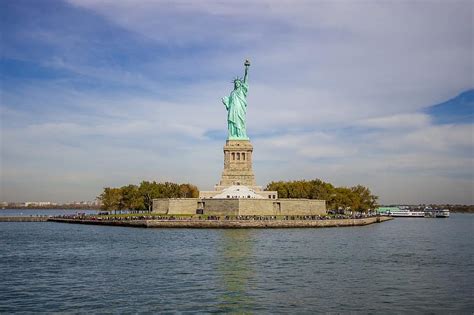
[{"x": 107, "y": 93}]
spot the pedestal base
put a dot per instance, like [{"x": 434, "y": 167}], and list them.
[
  {"x": 237, "y": 164},
  {"x": 238, "y": 170}
]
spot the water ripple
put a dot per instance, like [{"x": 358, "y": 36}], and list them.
[{"x": 399, "y": 266}]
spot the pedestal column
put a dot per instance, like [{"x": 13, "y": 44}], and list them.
[{"x": 237, "y": 164}]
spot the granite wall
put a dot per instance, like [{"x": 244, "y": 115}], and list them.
[{"x": 232, "y": 206}]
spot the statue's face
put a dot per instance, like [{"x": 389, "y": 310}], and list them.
[{"x": 237, "y": 84}]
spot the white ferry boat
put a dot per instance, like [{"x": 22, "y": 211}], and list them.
[
  {"x": 436, "y": 213},
  {"x": 406, "y": 213}
]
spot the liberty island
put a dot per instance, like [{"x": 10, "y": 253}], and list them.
[{"x": 236, "y": 201}]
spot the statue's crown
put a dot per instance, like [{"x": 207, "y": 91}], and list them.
[{"x": 237, "y": 79}]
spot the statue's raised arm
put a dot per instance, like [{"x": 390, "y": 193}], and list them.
[{"x": 247, "y": 65}]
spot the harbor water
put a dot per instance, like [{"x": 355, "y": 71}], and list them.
[{"x": 404, "y": 265}]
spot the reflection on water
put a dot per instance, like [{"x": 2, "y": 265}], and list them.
[
  {"x": 235, "y": 270},
  {"x": 401, "y": 266}
]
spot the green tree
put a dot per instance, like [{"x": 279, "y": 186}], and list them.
[
  {"x": 320, "y": 190},
  {"x": 149, "y": 191},
  {"x": 168, "y": 190},
  {"x": 363, "y": 198},
  {"x": 342, "y": 199},
  {"x": 357, "y": 198},
  {"x": 136, "y": 198},
  {"x": 280, "y": 187},
  {"x": 131, "y": 198},
  {"x": 111, "y": 199}
]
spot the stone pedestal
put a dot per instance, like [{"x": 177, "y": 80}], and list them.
[
  {"x": 238, "y": 171},
  {"x": 237, "y": 165}
]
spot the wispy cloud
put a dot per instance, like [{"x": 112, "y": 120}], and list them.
[
  {"x": 398, "y": 121},
  {"x": 111, "y": 92}
]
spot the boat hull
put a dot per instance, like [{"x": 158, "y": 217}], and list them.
[{"x": 404, "y": 213}]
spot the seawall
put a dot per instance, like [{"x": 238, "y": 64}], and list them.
[{"x": 223, "y": 224}]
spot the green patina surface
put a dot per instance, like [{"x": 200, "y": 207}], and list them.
[{"x": 236, "y": 105}]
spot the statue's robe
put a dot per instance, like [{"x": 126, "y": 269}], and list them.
[{"x": 236, "y": 105}]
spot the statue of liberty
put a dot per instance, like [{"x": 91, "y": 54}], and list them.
[{"x": 236, "y": 105}]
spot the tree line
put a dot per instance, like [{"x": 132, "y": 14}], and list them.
[
  {"x": 140, "y": 197},
  {"x": 358, "y": 198}
]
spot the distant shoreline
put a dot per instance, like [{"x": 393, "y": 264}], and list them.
[{"x": 62, "y": 207}]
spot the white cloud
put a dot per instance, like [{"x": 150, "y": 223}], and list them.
[
  {"x": 403, "y": 55},
  {"x": 433, "y": 138},
  {"x": 399, "y": 121},
  {"x": 320, "y": 72}
]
